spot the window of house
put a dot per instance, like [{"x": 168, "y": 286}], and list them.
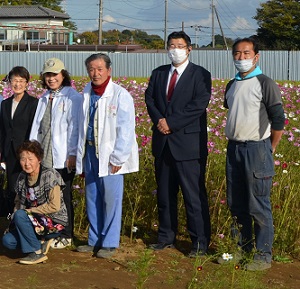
[
  {"x": 32, "y": 35},
  {"x": 2, "y": 34}
]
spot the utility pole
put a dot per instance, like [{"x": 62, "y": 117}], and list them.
[
  {"x": 100, "y": 22},
  {"x": 213, "y": 23},
  {"x": 166, "y": 20},
  {"x": 224, "y": 38}
]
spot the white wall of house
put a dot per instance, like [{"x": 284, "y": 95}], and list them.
[{"x": 15, "y": 35}]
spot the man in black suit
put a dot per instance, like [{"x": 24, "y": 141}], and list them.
[
  {"x": 16, "y": 118},
  {"x": 179, "y": 143}
]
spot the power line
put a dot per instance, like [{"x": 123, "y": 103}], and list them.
[
  {"x": 123, "y": 19},
  {"x": 143, "y": 6},
  {"x": 146, "y": 20},
  {"x": 230, "y": 14},
  {"x": 187, "y": 7}
]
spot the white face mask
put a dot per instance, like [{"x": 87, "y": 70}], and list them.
[
  {"x": 177, "y": 55},
  {"x": 244, "y": 65}
]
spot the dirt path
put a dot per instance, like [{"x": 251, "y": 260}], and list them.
[{"x": 131, "y": 266}]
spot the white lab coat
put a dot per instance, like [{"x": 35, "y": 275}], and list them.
[
  {"x": 64, "y": 124},
  {"x": 116, "y": 139}
]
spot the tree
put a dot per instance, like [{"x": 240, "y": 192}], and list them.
[
  {"x": 279, "y": 24},
  {"x": 17, "y": 2},
  {"x": 88, "y": 37},
  {"x": 219, "y": 42},
  {"x": 115, "y": 37},
  {"x": 52, "y": 4},
  {"x": 148, "y": 41},
  {"x": 133, "y": 37}
]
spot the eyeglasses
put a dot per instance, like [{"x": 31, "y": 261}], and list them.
[
  {"x": 172, "y": 46},
  {"x": 14, "y": 81}
]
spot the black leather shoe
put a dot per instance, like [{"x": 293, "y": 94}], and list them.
[{"x": 160, "y": 246}]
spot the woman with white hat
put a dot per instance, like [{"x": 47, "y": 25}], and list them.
[{"x": 55, "y": 126}]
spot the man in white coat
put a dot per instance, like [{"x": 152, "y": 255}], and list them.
[{"x": 107, "y": 149}]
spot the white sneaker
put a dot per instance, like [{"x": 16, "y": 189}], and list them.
[{"x": 61, "y": 243}]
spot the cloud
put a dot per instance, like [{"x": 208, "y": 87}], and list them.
[
  {"x": 235, "y": 16},
  {"x": 241, "y": 23},
  {"x": 206, "y": 22},
  {"x": 108, "y": 18}
]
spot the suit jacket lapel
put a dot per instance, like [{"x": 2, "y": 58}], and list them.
[
  {"x": 164, "y": 81},
  {"x": 8, "y": 108},
  {"x": 182, "y": 81}
]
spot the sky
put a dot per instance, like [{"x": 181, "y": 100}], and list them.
[{"x": 236, "y": 16}]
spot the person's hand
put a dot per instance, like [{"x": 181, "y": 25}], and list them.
[
  {"x": 3, "y": 166},
  {"x": 71, "y": 163},
  {"x": 163, "y": 126},
  {"x": 114, "y": 169}
]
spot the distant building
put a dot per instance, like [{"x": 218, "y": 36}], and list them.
[{"x": 26, "y": 25}]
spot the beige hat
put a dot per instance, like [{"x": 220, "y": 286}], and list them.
[{"x": 53, "y": 65}]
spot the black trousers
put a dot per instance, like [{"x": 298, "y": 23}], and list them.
[
  {"x": 3, "y": 206},
  {"x": 190, "y": 177},
  {"x": 68, "y": 231},
  {"x": 13, "y": 169}
]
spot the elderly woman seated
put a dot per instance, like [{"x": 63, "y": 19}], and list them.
[{"x": 39, "y": 211}]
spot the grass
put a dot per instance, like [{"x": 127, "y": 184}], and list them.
[
  {"x": 139, "y": 202},
  {"x": 139, "y": 205},
  {"x": 142, "y": 268},
  {"x": 68, "y": 267},
  {"x": 33, "y": 281}
]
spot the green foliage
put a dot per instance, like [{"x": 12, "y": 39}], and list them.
[
  {"x": 114, "y": 37},
  {"x": 139, "y": 204},
  {"x": 80, "y": 218},
  {"x": 282, "y": 259},
  {"x": 52, "y": 4},
  {"x": 88, "y": 37},
  {"x": 71, "y": 25},
  {"x": 143, "y": 268},
  {"x": 279, "y": 24},
  {"x": 284, "y": 198},
  {"x": 33, "y": 280},
  {"x": 139, "y": 201},
  {"x": 219, "y": 42},
  {"x": 227, "y": 276},
  {"x": 16, "y": 2}
]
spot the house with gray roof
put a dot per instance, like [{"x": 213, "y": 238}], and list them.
[{"x": 32, "y": 24}]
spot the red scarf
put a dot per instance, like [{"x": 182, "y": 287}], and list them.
[{"x": 99, "y": 89}]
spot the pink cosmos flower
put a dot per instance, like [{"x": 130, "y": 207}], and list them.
[{"x": 277, "y": 163}]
